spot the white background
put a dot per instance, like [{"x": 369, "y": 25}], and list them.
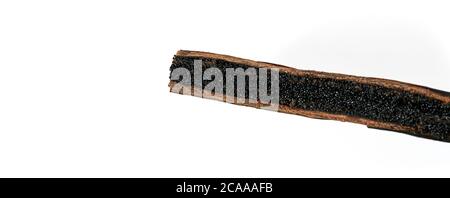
[{"x": 83, "y": 87}]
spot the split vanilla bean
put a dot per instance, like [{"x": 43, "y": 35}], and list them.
[{"x": 377, "y": 103}]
